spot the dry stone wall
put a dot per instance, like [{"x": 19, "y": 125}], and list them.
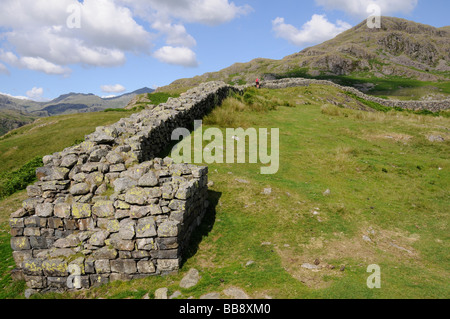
[
  {"x": 433, "y": 106},
  {"x": 107, "y": 209}
]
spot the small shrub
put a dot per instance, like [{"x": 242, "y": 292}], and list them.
[
  {"x": 20, "y": 179},
  {"x": 77, "y": 142},
  {"x": 331, "y": 110},
  {"x": 116, "y": 110},
  {"x": 227, "y": 115}
]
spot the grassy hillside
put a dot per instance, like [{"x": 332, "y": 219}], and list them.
[
  {"x": 21, "y": 150},
  {"x": 49, "y": 135},
  {"x": 387, "y": 204},
  {"x": 10, "y": 119}
]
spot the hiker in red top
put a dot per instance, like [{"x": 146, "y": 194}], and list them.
[{"x": 257, "y": 83}]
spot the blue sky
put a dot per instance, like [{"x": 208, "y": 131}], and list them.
[{"x": 109, "y": 47}]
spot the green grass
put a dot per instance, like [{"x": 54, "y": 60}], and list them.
[
  {"x": 153, "y": 99},
  {"x": 387, "y": 181},
  {"x": 9, "y": 116},
  {"x": 48, "y": 135},
  {"x": 11, "y": 182},
  {"x": 116, "y": 110},
  {"x": 8, "y": 288},
  {"x": 161, "y": 97},
  {"x": 21, "y": 150}
]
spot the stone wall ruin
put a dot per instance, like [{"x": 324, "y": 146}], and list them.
[{"x": 108, "y": 209}]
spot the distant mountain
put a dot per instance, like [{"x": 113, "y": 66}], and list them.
[
  {"x": 399, "y": 48},
  {"x": 69, "y": 103},
  {"x": 10, "y": 120},
  {"x": 16, "y": 112}
]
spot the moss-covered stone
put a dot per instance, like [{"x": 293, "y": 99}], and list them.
[
  {"x": 20, "y": 243},
  {"x": 168, "y": 228},
  {"x": 103, "y": 209},
  {"x": 55, "y": 267},
  {"x": 142, "y": 196},
  {"x": 146, "y": 227},
  {"x": 81, "y": 210},
  {"x": 32, "y": 267}
]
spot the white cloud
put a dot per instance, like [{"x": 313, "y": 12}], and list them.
[
  {"x": 8, "y": 57},
  {"x": 35, "y": 93},
  {"x": 3, "y": 69},
  {"x": 40, "y": 64},
  {"x": 15, "y": 97},
  {"x": 33, "y": 63},
  {"x": 39, "y": 34},
  {"x": 177, "y": 56},
  {"x": 315, "y": 31},
  {"x": 176, "y": 34},
  {"x": 358, "y": 8},
  {"x": 42, "y": 40},
  {"x": 117, "y": 88},
  {"x": 208, "y": 12},
  {"x": 168, "y": 17}
]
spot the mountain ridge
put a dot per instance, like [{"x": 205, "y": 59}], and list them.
[
  {"x": 16, "y": 112},
  {"x": 30, "y": 106},
  {"x": 400, "y": 48}
]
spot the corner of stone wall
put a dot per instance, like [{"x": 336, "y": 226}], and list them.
[{"x": 108, "y": 209}]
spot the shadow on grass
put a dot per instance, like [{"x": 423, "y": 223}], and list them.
[{"x": 204, "y": 229}]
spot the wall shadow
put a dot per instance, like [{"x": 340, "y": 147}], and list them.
[{"x": 204, "y": 229}]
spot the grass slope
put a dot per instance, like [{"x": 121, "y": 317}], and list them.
[
  {"x": 10, "y": 119},
  {"x": 49, "y": 135},
  {"x": 388, "y": 205}
]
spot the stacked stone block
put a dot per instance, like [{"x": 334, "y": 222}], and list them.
[
  {"x": 107, "y": 209},
  {"x": 141, "y": 229}
]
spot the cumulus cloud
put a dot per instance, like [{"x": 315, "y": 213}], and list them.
[
  {"x": 35, "y": 93},
  {"x": 33, "y": 63},
  {"x": 3, "y": 69},
  {"x": 208, "y": 12},
  {"x": 176, "y": 34},
  {"x": 40, "y": 64},
  {"x": 177, "y": 56},
  {"x": 315, "y": 31},
  {"x": 51, "y": 35},
  {"x": 358, "y": 8},
  {"x": 39, "y": 32},
  {"x": 168, "y": 17},
  {"x": 15, "y": 97},
  {"x": 117, "y": 88}
]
